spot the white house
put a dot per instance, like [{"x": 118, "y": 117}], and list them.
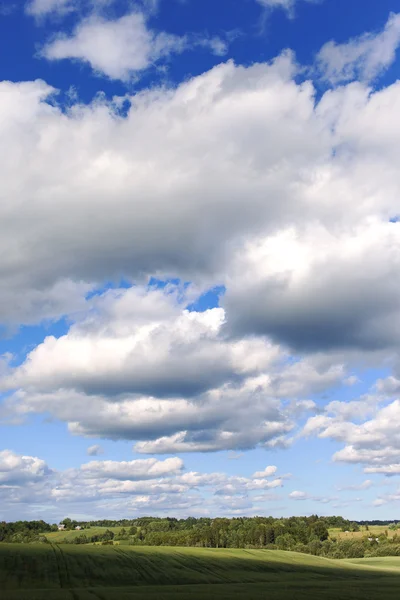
[
  {"x": 78, "y": 528},
  {"x": 61, "y": 527}
]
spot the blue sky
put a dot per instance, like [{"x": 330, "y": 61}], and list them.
[{"x": 199, "y": 298}]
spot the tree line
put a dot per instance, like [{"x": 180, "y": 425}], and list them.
[{"x": 300, "y": 534}]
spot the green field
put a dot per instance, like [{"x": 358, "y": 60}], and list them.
[
  {"x": 58, "y": 536},
  {"x": 59, "y": 572},
  {"x": 373, "y": 531}
]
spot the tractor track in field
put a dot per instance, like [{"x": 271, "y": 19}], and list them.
[
  {"x": 63, "y": 571},
  {"x": 60, "y": 576}
]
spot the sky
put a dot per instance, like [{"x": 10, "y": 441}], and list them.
[{"x": 200, "y": 253}]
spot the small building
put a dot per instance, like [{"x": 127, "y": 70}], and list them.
[
  {"x": 78, "y": 528},
  {"x": 61, "y": 527}
]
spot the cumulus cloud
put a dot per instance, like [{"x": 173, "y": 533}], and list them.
[
  {"x": 311, "y": 290},
  {"x": 147, "y": 185},
  {"x": 143, "y": 341},
  {"x": 140, "y": 366},
  {"x": 268, "y": 471},
  {"x": 127, "y": 487},
  {"x": 371, "y": 436},
  {"x": 117, "y": 48},
  {"x": 218, "y": 167},
  {"x": 152, "y": 178},
  {"x": 217, "y": 420},
  {"x": 362, "y": 58},
  {"x": 124, "y": 47},
  {"x": 19, "y": 470}
]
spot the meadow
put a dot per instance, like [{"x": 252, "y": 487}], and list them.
[
  {"x": 70, "y": 535},
  {"x": 61, "y": 572},
  {"x": 372, "y": 531}
]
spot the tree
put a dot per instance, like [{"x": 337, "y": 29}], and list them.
[
  {"x": 68, "y": 523},
  {"x": 320, "y": 531}
]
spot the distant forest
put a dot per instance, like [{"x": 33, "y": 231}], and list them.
[{"x": 309, "y": 535}]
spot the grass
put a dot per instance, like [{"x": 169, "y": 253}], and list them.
[
  {"x": 56, "y": 572},
  {"x": 58, "y": 536},
  {"x": 374, "y": 531}
]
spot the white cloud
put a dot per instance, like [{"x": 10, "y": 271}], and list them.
[
  {"x": 38, "y": 8},
  {"x": 149, "y": 468},
  {"x": 298, "y": 286},
  {"x": 95, "y": 450},
  {"x": 300, "y": 496},
  {"x": 20, "y": 470},
  {"x": 362, "y": 58},
  {"x": 372, "y": 442},
  {"x": 309, "y": 259},
  {"x": 217, "y": 420},
  {"x": 124, "y": 487},
  {"x": 141, "y": 367},
  {"x": 117, "y": 48},
  {"x": 177, "y": 144},
  {"x": 297, "y": 495},
  {"x": 268, "y": 472},
  {"x": 352, "y": 380},
  {"x": 379, "y": 502},
  {"x": 365, "y": 485},
  {"x": 139, "y": 172},
  {"x": 124, "y": 47},
  {"x": 143, "y": 341}
]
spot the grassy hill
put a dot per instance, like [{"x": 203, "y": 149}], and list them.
[
  {"x": 373, "y": 531},
  {"x": 58, "y": 536},
  {"x": 53, "y": 572}
]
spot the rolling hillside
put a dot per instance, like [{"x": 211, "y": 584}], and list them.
[{"x": 47, "y": 572}]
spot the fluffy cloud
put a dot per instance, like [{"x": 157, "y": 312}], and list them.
[
  {"x": 268, "y": 471},
  {"x": 127, "y": 486},
  {"x": 117, "y": 48},
  {"x": 140, "y": 366},
  {"x": 19, "y": 470},
  {"x": 373, "y": 442},
  {"x": 217, "y": 420},
  {"x": 143, "y": 341},
  {"x": 364, "y": 57},
  {"x": 107, "y": 195},
  {"x": 311, "y": 290},
  {"x": 157, "y": 181},
  {"x": 159, "y": 481},
  {"x": 122, "y": 48},
  {"x": 237, "y": 177},
  {"x": 297, "y": 495}
]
